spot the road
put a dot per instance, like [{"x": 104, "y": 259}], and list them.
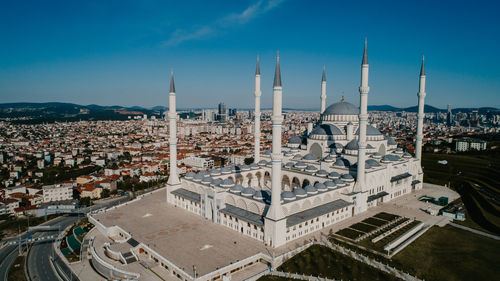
[{"x": 38, "y": 260}]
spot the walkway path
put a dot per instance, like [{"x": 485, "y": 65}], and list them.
[{"x": 475, "y": 231}]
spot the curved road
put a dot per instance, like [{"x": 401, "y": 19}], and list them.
[{"x": 38, "y": 260}]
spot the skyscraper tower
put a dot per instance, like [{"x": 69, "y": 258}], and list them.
[
  {"x": 173, "y": 178},
  {"x": 449, "y": 117},
  {"x": 275, "y": 217},
  {"x": 420, "y": 116},
  {"x": 257, "y": 94},
  {"x": 363, "y": 118},
  {"x": 323, "y": 92}
]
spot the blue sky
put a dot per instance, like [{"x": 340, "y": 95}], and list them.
[{"x": 121, "y": 52}]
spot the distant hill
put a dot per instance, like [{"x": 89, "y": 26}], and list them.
[{"x": 60, "y": 111}]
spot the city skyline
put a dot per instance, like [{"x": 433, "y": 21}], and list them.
[{"x": 108, "y": 54}]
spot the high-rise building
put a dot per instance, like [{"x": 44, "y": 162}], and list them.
[
  {"x": 222, "y": 113},
  {"x": 449, "y": 117}
]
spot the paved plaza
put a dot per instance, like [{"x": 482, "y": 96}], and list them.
[
  {"x": 184, "y": 238},
  {"x": 188, "y": 240}
]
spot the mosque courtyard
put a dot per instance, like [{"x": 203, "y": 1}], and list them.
[{"x": 195, "y": 244}]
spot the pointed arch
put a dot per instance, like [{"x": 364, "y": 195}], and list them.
[
  {"x": 241, "y": 204},
  {"x": 285, "y": 183},
  {"x": 305, "y": 183}
]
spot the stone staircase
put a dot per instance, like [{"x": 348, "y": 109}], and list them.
[{"x": 129, "y": 257}]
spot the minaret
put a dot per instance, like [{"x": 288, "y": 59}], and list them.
[
  {"x": 275, "y": 224},
  {"x": 275, "y": 211},
  {"x": 420, "y": 116},
  {"x": 257, "y": 94},
  {"x": 323, "y": 92},
  {"x": 363, "y": 117},
  {"x": 173, "y": 178}
]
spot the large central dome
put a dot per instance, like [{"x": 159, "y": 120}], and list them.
[{"x": 341, "y": 108}]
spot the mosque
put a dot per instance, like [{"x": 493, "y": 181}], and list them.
[{"x": 339, "y": 168}]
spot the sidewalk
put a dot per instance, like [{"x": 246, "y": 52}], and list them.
[{"x": 475, "y": 231}]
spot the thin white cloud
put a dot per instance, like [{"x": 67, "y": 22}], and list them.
[{"x": 256, "y": 9}]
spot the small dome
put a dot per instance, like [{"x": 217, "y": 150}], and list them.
[
  {"x": 339, "y": 182},
  {"x": 320, "y": 186},
  {"x": 390, "y": 141},
  {"x": 262, "y": 162},
  {"x": 321, "y": 173},
  {"x": 369, "y": 146},
  {"x": 287, "y": 153},
  {"x": 333, "y": 175},
  {"x": 352, "y": 145},
  {"x": 336, "y": 145},
  {"x": 295, "y": 140},
  {"x": 326, "y": 130},
  {"x": 376, "y": 155},
  {"x": 226, "y": 170},
  {"x": 347, "y": 177},
  {"x": 310, "y": 157},
  {"x": 341, "y": 162},
  {"x": 328, "y": 158},
  {"x": 390, "y": 158},
  {"x": 260, "y": 195},
  {"x": 215, "y": 172},
  {"x": 289, "y": 165},
  {"x": 407, "y": 155},
  {"x": 311, "y": 168},
  {"x": 297, "y": 157},
  {"x": 237, "y": 188},
  {"x": 227, "y": 183},
  {"x": 245, "y": 168},
  {"x": 310, "y": 189},
  {"x": 341, "y": 108},
  {"x": 300, "y": 165},
  {"x": 300, "y": 192},
  {"x": 287, "y": 195},
  {"x": 248, "y": 191},
  {"x": 216, "y": 182},
  {"x": 198, "y": 177},
  {"x": 206, "y": 180},
  {"x": 370, "y": 131},
  {"x": 372, "y": 162},
  {"x": 189, "y": 175},
  {"x": 204, "y": 173},
  {"x": 330, "y": 184}
]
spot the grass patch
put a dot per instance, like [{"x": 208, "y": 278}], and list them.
[
  {"x": 476, "y": 177},
  {"x": 16, "y": 271},
  {"x": 374, "y": 221},
  {"x": 363, "y": 227},
  {"x": 324, "y": 262},
  {"x": 349, "y": 233},
  {"x": 274, "y": 278},
  {"x": 386, "y": 216},
  {"x": 450, "y": 253}
]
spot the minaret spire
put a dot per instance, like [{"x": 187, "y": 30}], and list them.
[
  {"x": 257, "y": 68},
  {"x": 422, "y": 68},
  {"x": 323, "y": 92},
  {"x": 257, "y": 94},
  {"x": 172, "y": 84},
  {"x": 365, "y": 54},
  {"x": 275, "y": 224},
  {"x": 364, "y": 89},
  {"x": 173, "y": 179},
  {"x": 277, "y": 73},
  {"x": 420, "y": 116}
]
